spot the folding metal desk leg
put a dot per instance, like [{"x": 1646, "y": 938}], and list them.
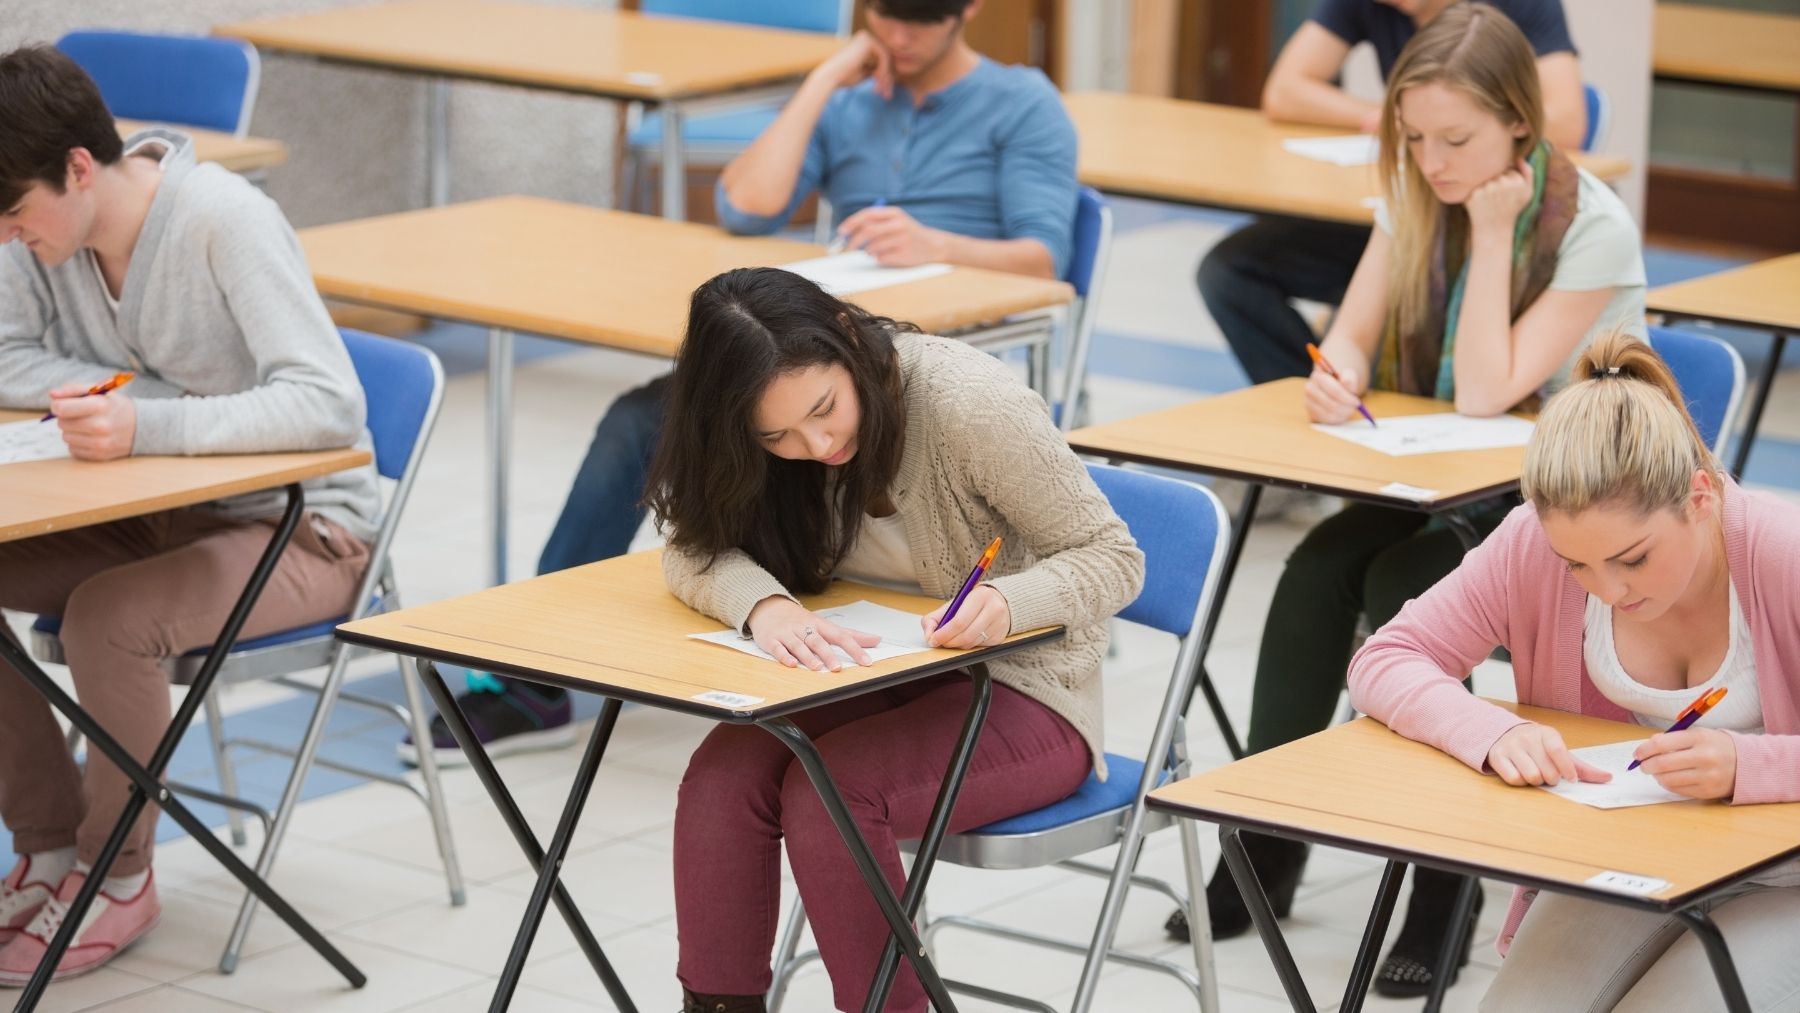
[
  {"x": 1719, "y": 955},
  {"x": 145, "y": 778},
  {"x": 1362, "y": 973},
  {"x": 1264, "y": 916},
  {"x": 549, "y": 872}
]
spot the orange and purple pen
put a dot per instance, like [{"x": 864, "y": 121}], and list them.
[
  {"x": 1323, "y": 363},
  {"x": 118, "y": 380},
  {"x": 1692, "y": 714}
]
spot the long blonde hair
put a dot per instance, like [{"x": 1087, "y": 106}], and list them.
[
  {"x": 1620, "y": 434},
  {"x": 1477, "y": 50}
]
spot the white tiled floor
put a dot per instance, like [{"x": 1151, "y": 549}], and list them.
[{"x": 362, "y": 864}]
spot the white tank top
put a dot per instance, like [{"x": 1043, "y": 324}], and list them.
[
  {"x": 1740, "y": 711},
  {"x": 882, "y": 555}
]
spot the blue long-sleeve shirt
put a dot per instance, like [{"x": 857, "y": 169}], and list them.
[{"x": 991, "y": 156}]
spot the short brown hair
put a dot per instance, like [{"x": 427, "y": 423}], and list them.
[{"x": 49, "y": 106}]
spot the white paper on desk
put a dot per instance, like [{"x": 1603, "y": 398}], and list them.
[
  {"x": 857, "y": 271},
  {"x": 1348, "y": 149},
  {"x": 1627, "y": 788},
  {"x": 31, "y": 441},
  {"x": 899, "y": 632},
  {"x": 1438, "y": 433}
]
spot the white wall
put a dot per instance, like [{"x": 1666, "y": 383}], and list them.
[{"x": 356, "y": 137}]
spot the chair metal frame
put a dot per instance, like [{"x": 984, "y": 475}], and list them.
[
  {"x": 377, "y": 592},
  {"x": 1061, "y": 846},
  {"x": 1086, "y": 314}
]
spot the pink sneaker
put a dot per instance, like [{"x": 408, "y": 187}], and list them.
[
  {"x": 20, "y": 899},
  {"x": 112, "y": 924}
]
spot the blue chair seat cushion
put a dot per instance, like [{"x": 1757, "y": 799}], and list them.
[
  {"x": 1093, "y": 798},
  {"x": 740, "y": 126},
  {"x": 52, "y": 626}
]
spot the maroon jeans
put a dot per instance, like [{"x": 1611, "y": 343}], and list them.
[{"x": 887, "y": 751}]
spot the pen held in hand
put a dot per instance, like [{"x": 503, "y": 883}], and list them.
[
  {"x": 1693, "y": 713},
  {"x": 975, "y": 575},
  {"x": 106, "y": 387},
  {"x": 1323, "y": 363},
  {"x": 839, "y": 242}
]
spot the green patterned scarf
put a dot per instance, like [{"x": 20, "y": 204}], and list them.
[{"x": 1421, "y": 362}]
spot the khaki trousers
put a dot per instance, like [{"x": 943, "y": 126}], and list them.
[{"x": 133, "y": 593}]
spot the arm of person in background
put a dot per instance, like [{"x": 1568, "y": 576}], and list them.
[
  {"x": 1355, "y": 332},
  {"x": 1565, "y": 103},
  {"x": 1301, "y": 86},
  {"x": 1500, "y": 362},
  {"x": 760, "y": 188}
]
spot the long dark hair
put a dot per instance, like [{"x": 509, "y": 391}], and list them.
[{"x": 714, "y": 485}]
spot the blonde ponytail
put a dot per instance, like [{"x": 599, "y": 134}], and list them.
[{"x": 1620, "y": 434}]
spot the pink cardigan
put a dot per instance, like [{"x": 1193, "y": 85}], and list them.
[{"x": 1514, "y": 590}]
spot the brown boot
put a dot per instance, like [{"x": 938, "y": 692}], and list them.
[{"x": 691, "y": 1003}]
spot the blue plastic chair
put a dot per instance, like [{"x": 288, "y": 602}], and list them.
[
  {"x": 713, "y": 139},
  {"x": 1711, "y": 376},
  {"x": 1182, "y": 529},
  {"x": 192, "y": 80},
  {"x": 404, "y": 384},
  {"x": 1599, "y": 117},
  {"x": 1087, "y": 268}
]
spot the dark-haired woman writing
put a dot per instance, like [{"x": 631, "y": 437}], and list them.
[{"x": 806, "y": 440}]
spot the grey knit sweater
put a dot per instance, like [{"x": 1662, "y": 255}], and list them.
[
  {"x": 983, "y": 459},
  {"x": 219, "y": 318}
]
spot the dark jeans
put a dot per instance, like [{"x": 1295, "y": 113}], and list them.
[
  {"x": 605, "y": 505},
  {"x": 1248, "y": 279}
]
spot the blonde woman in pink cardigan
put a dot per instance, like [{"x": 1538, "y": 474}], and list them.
[{"x": 1635, "y": 577}]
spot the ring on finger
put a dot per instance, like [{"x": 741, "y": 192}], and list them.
[
  {"x": 806, "y": 632},
  {"x": 984, "y": 636}
]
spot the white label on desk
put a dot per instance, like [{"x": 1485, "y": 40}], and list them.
[
  {"x": 648, "y": 78},
  {"x": 1405, "y": 491},
  {"x": 725, "y": 699},
  {"x": 1625, "y": 882}
]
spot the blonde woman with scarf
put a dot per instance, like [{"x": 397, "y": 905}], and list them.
[{"x": 1494, "y": 261}]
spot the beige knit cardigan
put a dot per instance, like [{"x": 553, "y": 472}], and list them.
[{"x": 982, "y": 458}]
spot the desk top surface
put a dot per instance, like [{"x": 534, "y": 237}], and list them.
[
  {"x": 239, "y": 154},
  {"x": 1361, "y": 786},
  {"x": 1224, "y": 156},
  {"x": 1764, "y": 294},
  {"x": 41, "y": 497},
  {"x": 613, "y": 627},
  {"x": 618, "y": 54},
  {"x": 1747, "y": 48},
  {"x": 1261, "y": 434},
  {"x": 602, "y": 277}
]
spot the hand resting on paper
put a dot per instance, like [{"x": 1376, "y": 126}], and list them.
[
  {"x": 1696, "y": 762},
  {"x": 983, "y": 619},
  {"x": 796, "y": 636},
  {"x": 1535, "y": 754}
]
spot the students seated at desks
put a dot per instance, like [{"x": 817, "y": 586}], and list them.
[
  {"x": 1636, "y": 577},
  {"x": 1493, "y": 262},
  {"x": 808, "y": 440},
  {"x": 1248, "y": 278},
  {"x": 132, "y": 257},
  {"x": 930, "y": 152}
]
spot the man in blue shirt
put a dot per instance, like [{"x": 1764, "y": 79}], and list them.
[
  {"x": 1248, "y": 278},
  {"x": 932, "y": 153}
]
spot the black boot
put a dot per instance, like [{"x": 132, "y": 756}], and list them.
[
  {"x": 692, "y": 1003},
  {"x": 1413, "y": 962},
  {"x": 1278, "y": 863}
]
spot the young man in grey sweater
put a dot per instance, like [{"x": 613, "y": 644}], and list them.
[{"x": 128, "y": 256}]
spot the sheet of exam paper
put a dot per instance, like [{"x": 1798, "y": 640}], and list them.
[
  {"x": 844, "y": 274},
  {"x": 899, "y": 632},
  {"x": 1347, "y": 149},
  {"x": 1436, "y": 433},
  {"x": 31, "y": 440},
  {"x": 1627, "y": 788}
]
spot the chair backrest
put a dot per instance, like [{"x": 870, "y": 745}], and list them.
[
  {"x": 1181, "y": 529},
  {"x": 831, "y": 16},
  {"x": 1087, "y": 267},
  {"x": 1599, "y": 117},
  {"x": 1711, "y": 376},
  {"x": 402, "y": 384},
  {"x": 184, "y": 79}
]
